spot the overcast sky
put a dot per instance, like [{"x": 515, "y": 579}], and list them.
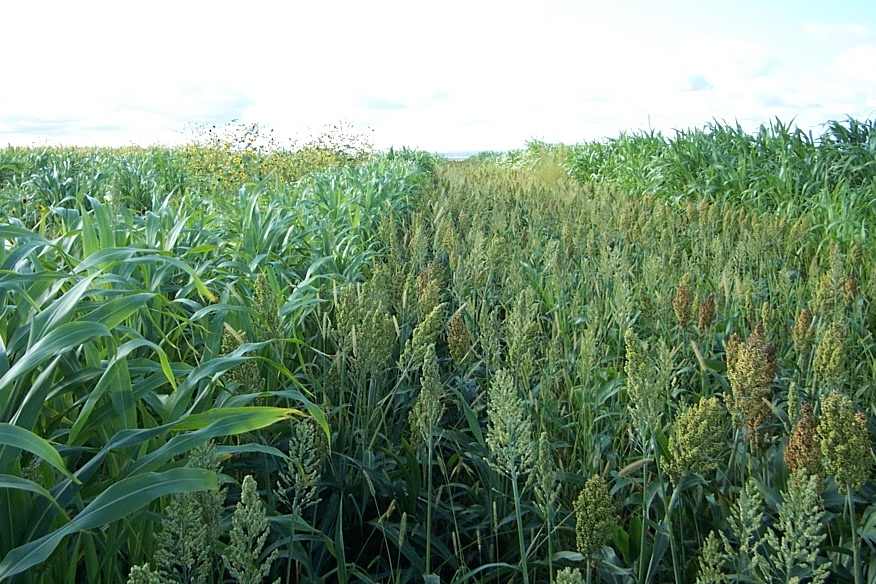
[{"x": 440, "y": 76}]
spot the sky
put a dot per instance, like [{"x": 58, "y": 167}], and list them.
[{"x": 456, "y": 75}]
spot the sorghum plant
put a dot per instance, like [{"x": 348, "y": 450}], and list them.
[
  {"x": 191, "y": 528},
  {"x": 792, "y": 546},
  {"x": 424, "y": 416},
  {"x": 246, "y": 376},
  {"x": 595, "y": 517},
  {"x": 845, "y": 443},
  {"x": 249, "y": 533},
  {"x": 803, "y": 334},
  {"x": 696, "y": 442},
  {"x": 644, "y": 394},
  {"x": 803, "y": 453},
  {"x": 265, "y": 304},
  {"x": 459, "y": 339},
  {"x": 742, "y": 556},
  {"x": 682, "y": 304},
  {"x": 510, "y": 441},
  {"x": 299, "y": 483},
  {"x": 144, "y": 575},
  {"x": 751, "y": 368},
  {"x": 829, "y": 363},
  {"x": 706, "y": 313},
  {"x": 569, "y": 576}
]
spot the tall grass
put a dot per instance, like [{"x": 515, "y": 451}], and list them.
[{"x": 583, "y": 363}]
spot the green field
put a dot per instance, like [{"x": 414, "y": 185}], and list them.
[{"x": 641, "y": 359}]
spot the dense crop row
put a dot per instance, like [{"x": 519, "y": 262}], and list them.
[{"x": 474, "y": 371}]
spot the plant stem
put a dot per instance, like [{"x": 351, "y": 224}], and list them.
[
  {"x": 856, "y": 559},
  {"x": 519, "y": 527},
  {"x": 429, "y": 510},
  {"x": 667, "y": 511}
]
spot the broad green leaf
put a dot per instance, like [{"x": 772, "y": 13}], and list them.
[
  {"x": 209, "y": 425},
  {"x": 13, "y": 232},
  {"x": 103, "y": 384},
  {"x": 110, "y": 256},
  {"x": 118, "y": 501},
  {"x": 24, "y": 439},
  {"x": 113, "y": 312},
  {"x": 90, "y": 243},
  {"x": 250, "y": 417},
  {"x": 60, "y": 311},
  {"x": 4, "y": 358},
  {"x": 63, "y": 338},
  {"x": 570, "y": 556},
  {"x": 18, "y": 483}
]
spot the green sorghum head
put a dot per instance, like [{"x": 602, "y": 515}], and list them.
[
  {"x": 459, "y": 339},
  {"x": 595, "y": 517},
  {"x": 547, "y": 487},
  {"x": 751, "y": 368},
  {"x": 697, "y": 439},
  {"x": 427, "y": 409},
  {"x": 845, "y": 443},
  {"x": 509, "y": 428},
  {"x": 144, "y": 575},
  {"x": 374, "y": 339},
  {"x": 803, "y": 333},
  {"x": 796, "y": 539},
  {"x": 299, "y": 484},
  {"x": 427, "y": 332},
  {"x": 569, "y": 576},
  {"x": 794, "y": 411},
  {"x": 247, "y": 538},
  {"x": 706, "y": 313},
  {"x": 265, "y": 304},
  {"x": 643, "y": 394},
  {"x": 246, "y": 375},
  {"x": 829, "y": 363}
]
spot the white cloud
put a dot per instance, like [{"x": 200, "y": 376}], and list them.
[
  {"x": 858, "y": 64},
  {"x": 462, "y": 75}
]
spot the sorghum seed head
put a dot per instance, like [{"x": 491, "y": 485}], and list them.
[
  {"x": 803, "y": 333},
  {"x": 683, "y": 301},
  {"x": 697, "y": 439},
  {"x": 595, "y": 517},
  {"x": 803, "y": 453},
  {"x": 751, "y": 368},
  {"x": 794, "y": 411},
  {"x": 829, "y": 362},
  {"x": 850, "y": 290},
  {"x": 845, "y": 443},
  {"x": 459, "y": 339},
  {"x": 427, "y": 409},
  {"x": 569, "y": 576},
  {"x": 707, "y": 313},
  {"x": 509, "y": 428}
]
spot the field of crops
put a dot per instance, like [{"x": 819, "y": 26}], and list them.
[{"x": 635, "y": 360}]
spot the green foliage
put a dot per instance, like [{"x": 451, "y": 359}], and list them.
[
  {"x": 787, "y": 551},
  {"x": 425, "y": 360},
  {"x": 247, "y": 538}
]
